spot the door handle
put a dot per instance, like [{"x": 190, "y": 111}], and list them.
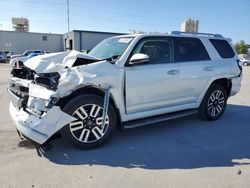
[
  {"x": 173, "y": 72},
  {"x": 209, "y": 68}
]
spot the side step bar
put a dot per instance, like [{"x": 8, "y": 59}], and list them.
[{"x": 157, "y": 119}]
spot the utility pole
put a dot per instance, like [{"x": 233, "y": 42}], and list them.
[{"x": 68, "y": 13}]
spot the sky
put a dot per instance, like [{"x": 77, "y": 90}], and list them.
[{"x": 227, "y": 17}]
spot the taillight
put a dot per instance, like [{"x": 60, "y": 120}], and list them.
[{"x": 239, "y": 65}]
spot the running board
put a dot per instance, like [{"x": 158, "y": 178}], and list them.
[{"x": 157, "y": 119}]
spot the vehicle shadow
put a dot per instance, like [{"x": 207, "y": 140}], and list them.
[{"x": 184, "y": 143}]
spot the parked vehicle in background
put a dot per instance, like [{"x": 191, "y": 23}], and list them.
[
  {"x": 34, "y": 54},
  {"x": 26, "y": 53},
  {"x": 3, "y": 58},
  {"x": 244, "y": 61},
  {"x": 9, "y": 54},
  {"x": 22, "y": 59},
  {"x": 124, "y": 82}
]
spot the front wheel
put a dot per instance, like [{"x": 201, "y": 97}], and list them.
[
  {"x": 214, "y": 103},
  {"x": 88, "y": 131}
]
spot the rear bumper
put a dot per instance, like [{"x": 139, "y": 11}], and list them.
[
  {"x": 39, "y": 129},
  {"x": 236, "y": 85}
]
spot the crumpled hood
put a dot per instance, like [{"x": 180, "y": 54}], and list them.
[{"x": 55, "y": 62}]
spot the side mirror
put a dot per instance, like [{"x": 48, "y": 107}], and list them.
[{"x": 138, "y": 59}]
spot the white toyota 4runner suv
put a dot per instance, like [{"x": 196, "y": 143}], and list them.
[{"x": 124, "y": 82}]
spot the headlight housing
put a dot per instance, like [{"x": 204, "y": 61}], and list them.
[{"x": 48, "y": 80}]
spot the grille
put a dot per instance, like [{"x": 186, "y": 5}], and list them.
[{"x": 21, "y": 92}]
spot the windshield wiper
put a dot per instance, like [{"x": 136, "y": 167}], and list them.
[{"x": 111, "y": 59}]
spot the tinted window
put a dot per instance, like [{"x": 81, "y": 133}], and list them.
[
  {"x": 190, "y": 49},
  {"x": 223, "y": 48},
  {"x": 158, "y": 50}
]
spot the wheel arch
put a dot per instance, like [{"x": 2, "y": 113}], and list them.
[
  {"x": 225, "y": 82},
  {"x": 91, "y": 89}
]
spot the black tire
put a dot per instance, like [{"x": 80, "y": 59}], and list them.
[
  {"x": 212, "y": 110},
  {"x": 245, "y": 64},
  {"x": 88, "y": 128}
]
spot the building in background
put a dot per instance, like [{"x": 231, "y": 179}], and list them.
[
  {"x": 82, "y": 40},
  {"x": 20, "y": 39},
  {"x": 20, "y": 24},
  {"x": 190, "y": 25},
  {"x": 18, "y": 42}
]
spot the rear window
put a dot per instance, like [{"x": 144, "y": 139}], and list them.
[
  {"x": 190, "y": 49},
  {"x": 223, "y": 48}
]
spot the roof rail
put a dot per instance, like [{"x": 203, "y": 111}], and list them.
[{"x": 192, "y": 33}]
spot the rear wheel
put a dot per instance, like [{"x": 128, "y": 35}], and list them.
[
  {"x": 88, "y": 131},
  {"x": 214, "y": 103},
  {"x": 245, "y": 64}
]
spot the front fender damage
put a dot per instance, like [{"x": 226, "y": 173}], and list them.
[
  {"x": 101, "y": 74},
  {"x": 42, "y": 118}
]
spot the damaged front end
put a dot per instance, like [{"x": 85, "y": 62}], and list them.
[
  {"x": 37, "y": 87},
  {"x": 33, "y": 95},
  {"x": 32, "y": 105}
]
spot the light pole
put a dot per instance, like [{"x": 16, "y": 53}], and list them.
[{"x": 68, "y": 13}]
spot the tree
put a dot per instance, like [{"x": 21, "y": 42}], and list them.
[{"x": 241, "y": 47}]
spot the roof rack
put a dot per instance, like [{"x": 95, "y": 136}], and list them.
[{"x": 192, "y": 33}]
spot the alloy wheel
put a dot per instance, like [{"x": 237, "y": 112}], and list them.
[
  {"x": 89, "y": 127},
  {"x": 216, "y": 103}
]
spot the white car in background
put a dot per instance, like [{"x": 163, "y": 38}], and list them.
[
  {"x": 244, "y": 61},
  {"x": 22, "y": 59},
  {"x": 26, "y": 53}
]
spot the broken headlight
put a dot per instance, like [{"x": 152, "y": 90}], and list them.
[{"x": 48, "y": 80}]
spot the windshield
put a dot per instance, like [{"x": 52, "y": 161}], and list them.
[{"x": 111, "y": 47}]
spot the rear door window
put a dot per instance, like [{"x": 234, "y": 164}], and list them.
[
  {"x": 223, "y": 48},
  {"x": 189, "y": 49}
]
